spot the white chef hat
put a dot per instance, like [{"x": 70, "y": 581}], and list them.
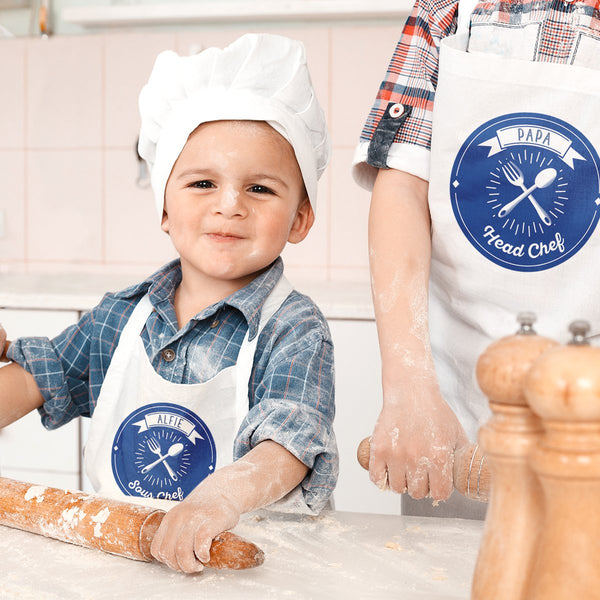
[{"x": 259, "y": 77}]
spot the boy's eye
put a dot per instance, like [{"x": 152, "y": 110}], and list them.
[
  {"x": 204, "y": 184},
  {"x": 260, "y": 189}
]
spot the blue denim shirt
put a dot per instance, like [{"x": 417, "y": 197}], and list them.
[{"x": 291, "y": 388}]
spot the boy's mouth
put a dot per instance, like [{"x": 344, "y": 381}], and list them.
[{"x": 223, "y": 236}]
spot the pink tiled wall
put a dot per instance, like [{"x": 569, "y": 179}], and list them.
[{"x": 68, "y": 126}]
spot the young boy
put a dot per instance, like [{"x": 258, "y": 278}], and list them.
[
  {"x": 214, "y": 365},
  {"x": 484, "y": 205}
]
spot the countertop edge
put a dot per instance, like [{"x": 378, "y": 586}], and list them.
[{"x": 81, "y": 292}]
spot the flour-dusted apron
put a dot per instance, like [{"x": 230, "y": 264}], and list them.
[
  {"x": 514, "y": 197},
  {"x": 155, "y": 439}
]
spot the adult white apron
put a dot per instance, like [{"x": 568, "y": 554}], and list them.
[
  {"x": 514, "y": 195},
  {"x": 155, "y": 439}
]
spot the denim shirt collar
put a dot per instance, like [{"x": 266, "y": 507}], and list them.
[{"x": 249, "y": 300}]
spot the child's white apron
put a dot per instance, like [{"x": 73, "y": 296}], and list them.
[
  {"x": 152, "y": 438},
  {"x": 514, "y": 195}
]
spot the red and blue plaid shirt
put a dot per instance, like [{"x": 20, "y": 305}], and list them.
[{"x": 554, "y": 29}]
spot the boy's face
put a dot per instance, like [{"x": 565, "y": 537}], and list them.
[{"x": 234, "y": 198}]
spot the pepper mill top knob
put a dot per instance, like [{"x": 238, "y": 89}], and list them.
[
  {"x": 502, "y": 368},
  {"x": 526, "y": 320},
  {"x": 564, "y": 384},
  {"x": 579, "y": 331}
]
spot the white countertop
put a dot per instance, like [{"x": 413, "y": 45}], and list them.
[
  {"x": 335, "y": 555},
  {"x": 82, "y": 291}
]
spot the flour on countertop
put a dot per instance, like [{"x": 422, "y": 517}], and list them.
[{"x": 328, "y": 556}]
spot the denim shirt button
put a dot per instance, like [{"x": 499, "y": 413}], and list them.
[
  {"x": 396, "y": 110},
  {"x": 168, "y": 355}
]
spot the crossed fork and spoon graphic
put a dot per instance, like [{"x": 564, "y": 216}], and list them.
[
  {"x": 154, "y": 447},
  {"x": 543, "y": 179}
]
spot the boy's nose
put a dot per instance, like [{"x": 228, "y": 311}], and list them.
[{"x": 229, "y": 203}]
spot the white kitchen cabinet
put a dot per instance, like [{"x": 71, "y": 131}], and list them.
[
  {"x": 28, "y": 451},
  {"x": 358, "y": 402}
]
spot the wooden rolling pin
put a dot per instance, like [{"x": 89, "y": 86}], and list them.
[
  {"x": 471, "y": 473},
  {"x": 108, "y": 525},
  {"x": 4, "y": 344}
]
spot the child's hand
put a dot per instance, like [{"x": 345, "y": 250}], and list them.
[
  {"x": 264, "y": 475},
  {"x": 185, "y": 535}
]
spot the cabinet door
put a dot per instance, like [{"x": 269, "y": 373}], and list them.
[
  {"x": 358, "y": 402},
  {"x": 28, "y": 451}
]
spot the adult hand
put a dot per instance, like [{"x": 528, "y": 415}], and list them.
[{"x": 413, "y": 444}]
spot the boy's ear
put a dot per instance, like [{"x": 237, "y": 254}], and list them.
[
  {"x": 164, "y": 222},
  {"x": 305, "y": 217}
]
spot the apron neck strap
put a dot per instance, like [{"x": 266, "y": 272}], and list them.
[
  {"x": 465, "y": 10},
  {"x": 274, "y": 300},
  {"x": 245, "y": 360}
]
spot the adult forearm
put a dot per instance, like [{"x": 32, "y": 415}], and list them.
[
  {"x": 19, "y": 394},
  {"x": 416, "y": 433},
  {"x": 400, "y": 254}
]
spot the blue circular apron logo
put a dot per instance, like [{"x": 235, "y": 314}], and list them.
[
  {"x": 162, "y": 451},
  {"x": 525, "y": 190}
]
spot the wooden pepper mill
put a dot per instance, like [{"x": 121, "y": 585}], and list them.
[
  {"x": 564, "y": 389},
  {"x": 513, "y": 520}
]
